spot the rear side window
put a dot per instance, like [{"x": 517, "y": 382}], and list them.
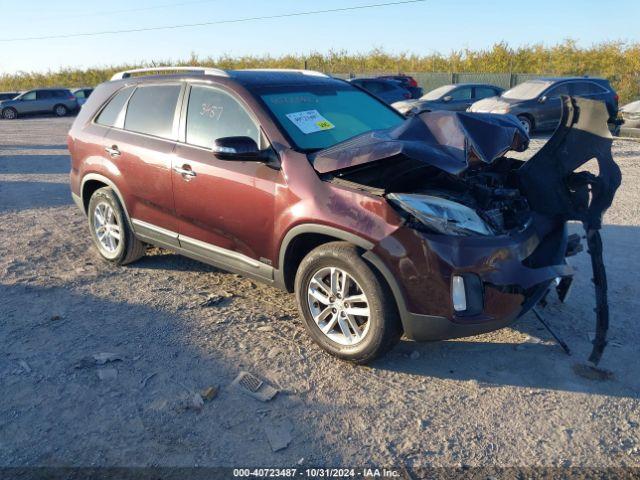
[
  {"x": 44, "y": 94},
  {"x": 484, "y": 92},
  {"x": 151, "y": 110},
  {"x": 213, "y": 114},
  {"x": 585, "y": 88},
  {"x": 110, "y": 113}
]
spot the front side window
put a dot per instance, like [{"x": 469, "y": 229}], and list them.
[
  {"x": 461, "y": 94},
  {"x": 320, "y": 116},
  {"x": 110, "y": 113},
  {"x": 151, "y": 110},
  {"x": 29, "y": 95},
  {"x": 212, "y": 114},
  {"x": 562, "y": 89}
]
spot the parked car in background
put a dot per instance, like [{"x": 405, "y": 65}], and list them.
[
  {"x": 59, "y": 101},
  {"x": 538, "y": 105},
  {"x": 630, "y": 116},
  {"x": 82, "y": 94},
  {"x": 8, "y": 95},
  {"x": 389, "y": 91},
  {"x": 456, "y": 97},
  {"x": 407, "y": 82}
]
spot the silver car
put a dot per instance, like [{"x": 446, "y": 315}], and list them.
[{"x": 58, "y": 101}]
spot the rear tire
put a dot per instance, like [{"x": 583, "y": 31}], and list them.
[
  {"x": 9, "y": 113},
  {"x": 60, "y": 110},
  {"x": 110, "y": 229},
  {"x": 357, "y": 322}
]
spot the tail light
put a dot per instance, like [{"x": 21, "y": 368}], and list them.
[
  {"x": 616, "y": 97},
  {"x": 72, "y": 97},
  {"x": 412, "y": 82}
]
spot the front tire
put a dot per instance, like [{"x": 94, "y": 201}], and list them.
[
  {"x": 60, "y": 111},
  {"x": 526, "y": 123},
  {"x": 346, "y": 306},
  {"x": 9, "y": 113},
  {"x": 110, "y": 230}
]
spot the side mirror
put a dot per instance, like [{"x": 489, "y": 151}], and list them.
[
  {"x": 448, "y": 98},
  {"x": 237, "y": 148},
  {"x": 542, "y": 99}
]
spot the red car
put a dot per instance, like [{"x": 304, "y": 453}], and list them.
[{"x": 381, "y": 225}]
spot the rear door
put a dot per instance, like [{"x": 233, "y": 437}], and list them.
[
  {"x": 140, "y": 145},
  {"x": 225, "y": 208}
]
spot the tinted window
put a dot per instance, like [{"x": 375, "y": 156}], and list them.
[
  {"x": 585, "y": 88},
  {"x": 484, "y": 92},
  {"x": 151, "y": 110},
  {"x": 109, "y": 114},
  {"x": 44, "y": 94},
  {"x": 213, "y": 114},
  {"x": 555, "y": 92},
  {"x": 461, "y": 94},
  {"x": 374, "y": 87},
  {"x": 29, "y": 95}
]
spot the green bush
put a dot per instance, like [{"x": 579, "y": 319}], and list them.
[{"x": 617, "y": 61}]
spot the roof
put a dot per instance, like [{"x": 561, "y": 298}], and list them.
[
  {"x": 564, "y": 79},
  {"x": 249, "y": 77}
]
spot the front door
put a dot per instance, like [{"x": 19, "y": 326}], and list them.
[{"x": 225, "y": 208}]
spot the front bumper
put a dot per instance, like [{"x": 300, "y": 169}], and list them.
[{"x": 513, "y": 274}]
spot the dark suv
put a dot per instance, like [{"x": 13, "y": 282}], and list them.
[
  {"x": 58, "y": 101},
  {"x": 537, "y": 103},
  {"x": 382, "y": 225}
]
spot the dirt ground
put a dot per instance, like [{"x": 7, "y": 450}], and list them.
[{"x": 509, "y": 398}]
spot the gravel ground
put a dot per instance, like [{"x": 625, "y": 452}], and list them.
[{"x": 509, "y": 398}]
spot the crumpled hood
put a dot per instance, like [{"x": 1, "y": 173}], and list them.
[{"x": 450, "y": 141}]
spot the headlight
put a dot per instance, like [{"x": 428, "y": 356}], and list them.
[
  {"x": 501, "y": 110},
  {"x": 440, "y": 215}
]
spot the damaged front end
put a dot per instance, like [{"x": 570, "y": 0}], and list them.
[{"x": 486, "y": 235}]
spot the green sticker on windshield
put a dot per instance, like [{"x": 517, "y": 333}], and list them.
[{"x": 310, "y": 121}]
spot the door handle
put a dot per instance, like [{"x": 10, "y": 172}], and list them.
[
  {"x": 185, "y": 172},
  {"x": 113, "y": 151}
]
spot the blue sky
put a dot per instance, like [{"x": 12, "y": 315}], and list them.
[{"x": 432, "y": 26}]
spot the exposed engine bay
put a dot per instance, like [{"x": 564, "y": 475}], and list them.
[{"x": 448, "y": 173}]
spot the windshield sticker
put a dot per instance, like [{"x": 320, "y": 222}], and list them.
[{"x": 310, "y": 121}]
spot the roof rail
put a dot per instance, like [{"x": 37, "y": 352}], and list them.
[
  {"x": 313, "y": 73},
  {"x": 198, "y": 70}
]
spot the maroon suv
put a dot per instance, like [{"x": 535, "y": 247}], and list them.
[{"x": 381, "y": 225}]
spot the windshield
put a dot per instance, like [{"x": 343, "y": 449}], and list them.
[
  {"x": 318, "y": 116},
  {"x": 437, "y": 93},
  {"x": 527, "y": 90}
]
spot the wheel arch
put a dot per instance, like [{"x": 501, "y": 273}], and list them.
[
  {"x": 300, "y": 240},
  {"x": 94, "y": 181}
]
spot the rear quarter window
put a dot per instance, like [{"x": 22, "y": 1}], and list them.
[
  {"x": 151, "y": 110},
  {"x": 110, "y": 113}
]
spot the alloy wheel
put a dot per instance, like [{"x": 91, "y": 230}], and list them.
[
  {"x": 106, "y": 227},
  {"x": 339, "y": 306}
]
